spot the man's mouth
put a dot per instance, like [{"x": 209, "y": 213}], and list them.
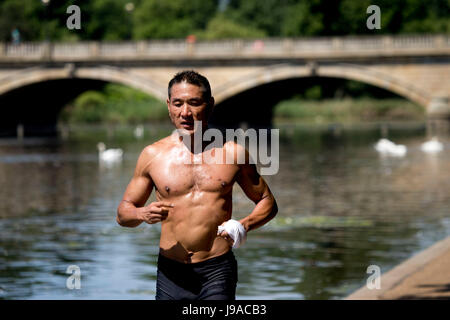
[{"x": 187, "y": 124}]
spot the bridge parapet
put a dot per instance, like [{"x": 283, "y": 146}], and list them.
[{"x": 305, "y": 48}]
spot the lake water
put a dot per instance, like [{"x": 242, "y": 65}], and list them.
[{"x": 342, "y": 207}]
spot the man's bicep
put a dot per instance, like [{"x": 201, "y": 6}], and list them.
[
  {"x": 251, "y": 182},
  {"x": 140, "y": 187},
  {"x": 138, "y": 190}
]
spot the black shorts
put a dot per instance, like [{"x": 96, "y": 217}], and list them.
[{"x": 212, "y": 279}]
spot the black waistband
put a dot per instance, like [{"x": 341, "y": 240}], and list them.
[{"x": 226, "y": 256}]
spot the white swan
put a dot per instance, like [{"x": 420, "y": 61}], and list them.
[
  {"x": 139, "y": 131},
  {"x": 432, "y": 146},
  {"x": 110, "y": 155},
  {"x": 387, "y": 147}
]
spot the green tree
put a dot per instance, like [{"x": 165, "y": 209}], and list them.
[
  {"x": 266, "y": 15},
  {"x": 300, "y": 20},
  {"x": 159, "y": 19},
  {"x": 36, "y": 21},
  {"x": 171, "y": 19},
  {"x": 88, "y": 107},
  {"x": 107, "y": 20},
  {"x": 115, "y": 103},
  {"x": 220, "y": 27},
  {"x": 426, "y": 16},
  {"x": 25, "y": 15}
]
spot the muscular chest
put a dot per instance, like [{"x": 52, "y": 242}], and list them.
[{"x": 173, "y": 178}]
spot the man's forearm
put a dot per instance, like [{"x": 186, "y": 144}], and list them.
[
  {"x": 127, "y": 215},
  {"x": 264, "y": 211}
]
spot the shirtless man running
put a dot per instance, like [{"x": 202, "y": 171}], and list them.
[{"x": 193, "y": 200}]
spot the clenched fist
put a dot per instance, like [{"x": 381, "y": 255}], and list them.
[{"x": 155, "y": 212}]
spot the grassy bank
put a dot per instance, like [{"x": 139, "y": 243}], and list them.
[
  {"x": 347, "y": 110},
  {"x": 115, "y": 104}
]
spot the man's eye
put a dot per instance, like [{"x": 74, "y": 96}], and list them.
[{"x": 195, "y": 103}]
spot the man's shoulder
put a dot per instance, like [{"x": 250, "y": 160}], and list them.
[
  {"x": 232, "y": 145},
  {"x": 156, "y": 148},
  {"x": 150, "y": 153},
  {"x": 236, "y": 151}
]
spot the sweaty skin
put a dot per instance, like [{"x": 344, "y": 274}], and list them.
[{"x": 192, "y": 199}]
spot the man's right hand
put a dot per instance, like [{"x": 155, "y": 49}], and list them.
[{"x": 155, "y": 212}]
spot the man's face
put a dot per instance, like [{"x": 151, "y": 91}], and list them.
[{"x": 187, "y": 105}]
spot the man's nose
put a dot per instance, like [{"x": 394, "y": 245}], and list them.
[{"x": 185, "y": 110}]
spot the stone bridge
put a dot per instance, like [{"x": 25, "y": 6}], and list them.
[{"x": 415, "y": 67}]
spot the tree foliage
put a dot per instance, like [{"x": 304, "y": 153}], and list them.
[
  {"x": 171, "y": 19},
  {"x": 215, "y": 19},
  {"x": 221, "y": 27},
  {"x": 114, "y": 104}
]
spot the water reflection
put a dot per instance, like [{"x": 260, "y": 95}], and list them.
[{"x": 342, "y": 208}]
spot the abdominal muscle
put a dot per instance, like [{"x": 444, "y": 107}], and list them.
[{"x": 189, "y": 233}]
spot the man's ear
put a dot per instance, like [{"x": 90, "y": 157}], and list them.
[
  {"x": 168, "y": 109},
  {"x": 168, "y": 105}
]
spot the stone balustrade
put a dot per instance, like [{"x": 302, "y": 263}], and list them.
[{"x": 320, "y": 47}]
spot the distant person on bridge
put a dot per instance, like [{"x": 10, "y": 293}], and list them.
[
  {"x": 15, "y": 36},
  {"x": 194, "y": 200}
]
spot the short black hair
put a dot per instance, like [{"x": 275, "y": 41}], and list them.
[{"x": 194, "y": 78}]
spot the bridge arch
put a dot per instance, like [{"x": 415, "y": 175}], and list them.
[
  {"x": 342, "y": 70},
  {"x": 20, "y": 90},
  {"x": 105, "y": 73}
]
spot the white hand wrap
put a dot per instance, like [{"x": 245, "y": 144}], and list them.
[{"x": 235, "y": 230}]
